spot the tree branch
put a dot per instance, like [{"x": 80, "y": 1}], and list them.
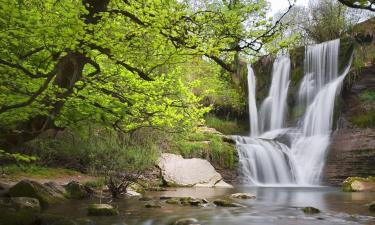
[{"x": 352, "y": 4}]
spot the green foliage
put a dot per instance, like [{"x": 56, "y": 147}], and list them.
[
  {"x": 206, "y": 145},
  {"x": 368, "y": 96},
  {"x": 118, "y": 63},
  {"x": 36, "y": 171},
  {"x": 365, "y": 120},
  {"x": 17, "y": 157},
  {"x": 225, "y": 126}
]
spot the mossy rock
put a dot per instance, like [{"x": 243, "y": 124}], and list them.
[
  {"x": 243, "y": 196},
  {"x": 358, "y": 184},
  {"x": 19, "y": 211},
  {"x": 173, "y": 201},
  {"x": 102, "y": 210},
  {"x": 186, "y": 221},
  {"x": 77, "y": 190},
  {"x": 310, "y": 210},
  {"x": 226, "y": 203},
  {"x": 33, "y": 189},
  {"x": 371, "y": 206},
  {"x": 152, "y": 205}
]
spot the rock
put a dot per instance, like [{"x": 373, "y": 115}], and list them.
[
  {"x": 56, "y": 187},
  {"x": 310, "y": 210},
  {"x": 152, "y": 205},
  {"x": 177, "y": 171},
  {"x": 164, "y": 197},
  {"x": 19, "y": 211},
  {"x": 223, "y": 184},
  {"x": 187, "y": 221},
  {"x": 226, "y": 203},
  {"x": 353, "y": 184},
  {"x": 33, "y": 189},
  {"x": 77, "y": 190},
  {"x": 132, "y": 193},
  {"x": 173, "y": 201},
  {"x": 371, "y": 206},
  {"x": 102, "y": 210},
  {"x": 243, "y": 196}
]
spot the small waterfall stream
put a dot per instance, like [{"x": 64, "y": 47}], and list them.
[{"x": 277, "y": 155}]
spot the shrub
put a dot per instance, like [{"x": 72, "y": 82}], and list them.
[{"x": 225, "y": 126}]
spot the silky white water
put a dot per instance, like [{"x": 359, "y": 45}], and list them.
[
  {"x": 254, "y": 129},
  {"x": 279, "y": 155}
]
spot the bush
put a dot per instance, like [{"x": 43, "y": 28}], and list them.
[
  {"x": 365, "y": 120},
  {"x": 225, "y": 126}
]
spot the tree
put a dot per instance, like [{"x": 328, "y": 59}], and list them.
[
  {"x": 116, "y": 62},
  {"x": 360, "y": 4}
]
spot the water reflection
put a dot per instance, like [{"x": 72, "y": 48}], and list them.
[{"x": 276, "y": 206}]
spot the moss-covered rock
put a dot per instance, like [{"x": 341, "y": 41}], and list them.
[
  {"x": 19, "y": 210},
  {"x": 152, "y": 205},
  {"x": 226, "y": 203},
  {"x": 243, "y": 196},
  {"x": 33, "y": 189},
  {"x": 77, "y": 190},
  {"x": 310, "y": 210},
  {"x": 186, "y": 221},
  {"x": 102, "y": 210},
  {"x": 354, "y": 184}
]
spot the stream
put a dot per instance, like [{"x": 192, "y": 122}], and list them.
[{"x": 273, "y": 205}]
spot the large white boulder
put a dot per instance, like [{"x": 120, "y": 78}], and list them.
[{"x": 177, "y": 171}]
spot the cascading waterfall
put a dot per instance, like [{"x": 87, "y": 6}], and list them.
[
  {"x": 273, "y": 109},
  {"x": 293, "y": 156},
  {"x": 253, "y": 112}
]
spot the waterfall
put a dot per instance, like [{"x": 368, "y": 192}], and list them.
[
  {"x": 294, "y": 155},
  {"x": 273, "y": 109},
  {"x": 253, "y": 112}
]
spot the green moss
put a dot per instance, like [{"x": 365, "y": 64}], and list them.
[
  {"x": 347, "y": 184},
  {"x": 364, "y": 120},
  {"x": 367, "y": 96},
  {"x": 14, "y": 171},
  {"x": 310, "y": 210},
  {"x": 371, "y": 206},
  {"x": 101, "y": 210},
  {"x": 228, "y": 127}
]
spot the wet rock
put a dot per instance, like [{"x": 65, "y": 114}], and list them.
[
  {"x": 19, "y": 211},
  {"x": 243, "y": 196},
  {"x": 173, "y": 201},
  {"x": 223, "y": 184},
  {"x": 310, "y": 210},
  {"x": 354, "y": 184},
  {"x": 131, "y": 193},
  {"x": 144, "y": 198},
  {"x": 226, "y": 203},
  {"x": 102, "y": 210},
  {"x": 33, "y": 189},
  {"x": 164, "y": 197},
  {"x": 187, "y": 221},
  {"x": 77, "y": 190},
  {"x": 152, "y": 205},
  {"x": 177, "y": 171},
  {"x": 56, "y": 187},
  {"x": 371, "y": 206}
]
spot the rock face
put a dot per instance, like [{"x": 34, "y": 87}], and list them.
[
  {"x": 352, "y": 154},
  {"x": 353, "y": 184},
  {"x": 33, "y": 189},
  {"x": 177, "y": 171}
]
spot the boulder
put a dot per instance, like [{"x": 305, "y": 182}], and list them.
[
  {"x": 187, "y": 221},
  {"x": 310, "y": 210},
  {"x": 243, "y": 196},
  {"x": 177, "y": 171},
  {"x": 226, "y": 203},
  {"x": 77, "y": 190},
  {"x": 353, "y": 184},
  {"x": 102, "y": 210},
  {"x": 371, "y": 206},
  {"x": 33, "y": 189},
  {"x": 152, "y": 205},
  {"x": 19, "y": 211},
  {"x": 56, "y": 187}
]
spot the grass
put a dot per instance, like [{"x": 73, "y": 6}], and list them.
[
  {"x": 368, "y": 96},
  {"x": 36, "y": 172},
  {"x": 225, "y": 126}
]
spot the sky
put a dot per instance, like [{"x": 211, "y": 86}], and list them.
[{"x": 277, "y": 5}]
